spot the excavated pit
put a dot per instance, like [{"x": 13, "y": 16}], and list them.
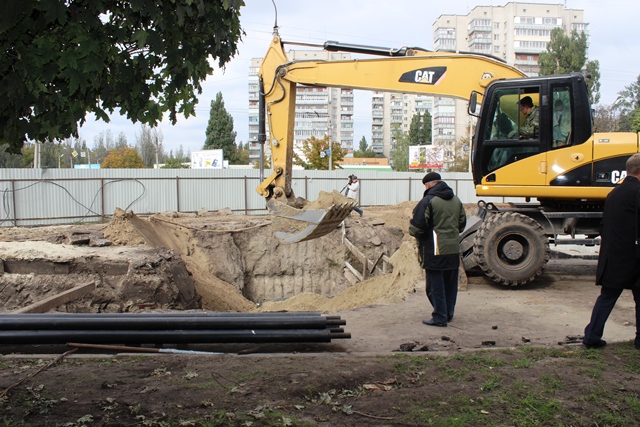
[{"x": 212, "y": 260}]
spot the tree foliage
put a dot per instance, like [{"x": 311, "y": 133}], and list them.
[
  {"x": 400, "y": 154},
  {"x": 566, "y": 54},
  {"x": 628, "y": 106},
  {"x": 127, "y": 158},
  {"x": 460, "y": 160},
  {"x": 605, "y": 119},
  {"x": 635, "y": 122},
  {"x": 242, "y": 155},
  {"x": 63, "y": 59},
  {"x": 364, "y": 150},
  {"x": 174, "y": 163},
  {"x": 220, "y": 133},
  {"x": 315, "y": 152},
  {"x": 8, "y": 159},
  {"x": 420, "y": 129},
  {"x": 149, "y": 145}
]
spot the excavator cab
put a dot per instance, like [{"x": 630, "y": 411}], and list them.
[{"x": 525, "y": 151}]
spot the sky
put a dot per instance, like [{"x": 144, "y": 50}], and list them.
[{"x": 613, "y": 42}]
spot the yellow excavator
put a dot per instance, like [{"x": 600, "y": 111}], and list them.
[{"x": 556, "y": 160}]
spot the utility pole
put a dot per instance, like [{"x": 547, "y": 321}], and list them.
[
  {"x": 330, "y": 128},
  {"x": 157, "y": 159}
]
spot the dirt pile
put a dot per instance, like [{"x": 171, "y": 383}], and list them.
[
  {"x": 379, "y": 290},
  {"x": 127, "y": 278},
  {"x": 233, "y": 262}
]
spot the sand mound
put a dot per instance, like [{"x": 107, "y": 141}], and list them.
[{"x": 380, "y": 290}]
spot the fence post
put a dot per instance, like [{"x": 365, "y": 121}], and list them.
[
  {"x": 15, "y": 207},
  {"x": 102, "y": 199},
  {"x": 177, "y": 193},
  {"x": 246, "y": 197}
]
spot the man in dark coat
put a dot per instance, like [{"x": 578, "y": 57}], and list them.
[
  {"x": 618, "y": 261},
  {"x": 438, "y": 219}
]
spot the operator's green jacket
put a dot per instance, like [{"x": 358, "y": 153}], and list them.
[{"x": 438, "y": 219}]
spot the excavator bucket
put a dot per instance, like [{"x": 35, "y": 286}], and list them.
[{"x": 297, "y": 225}]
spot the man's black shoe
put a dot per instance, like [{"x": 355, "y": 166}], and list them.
[
  {"x": 637, "y": 345},
  {"x": 597, "y": 344},
  {"x": 432, "y": 322}
]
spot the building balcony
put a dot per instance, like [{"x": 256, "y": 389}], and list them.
[
  {"x": 478, "y": 29},
  {"x": 536, "y": 26},
  {"x": 529, "y": 50},
  {"x": 522, "y": 62}
]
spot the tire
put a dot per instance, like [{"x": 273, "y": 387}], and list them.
[{"x": 511, "y": 248}]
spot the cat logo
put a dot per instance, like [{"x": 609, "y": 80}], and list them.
[{"x": 429, "y": 76}]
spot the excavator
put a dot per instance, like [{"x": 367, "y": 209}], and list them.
[{"x": 558, "y": 161}]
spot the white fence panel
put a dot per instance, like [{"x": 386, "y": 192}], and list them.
[{"x": 60, "y": 196}]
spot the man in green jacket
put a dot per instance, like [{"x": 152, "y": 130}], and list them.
[{"x": 438, "y": 219}]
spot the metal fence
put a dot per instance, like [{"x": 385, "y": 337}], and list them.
[{"x": 61, "y": 196}]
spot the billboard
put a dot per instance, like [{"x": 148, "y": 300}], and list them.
[
  {"x": 426, "y": 157},
  {"x": 206, "y": 159}
]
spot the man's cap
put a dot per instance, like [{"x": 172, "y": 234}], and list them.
[
  {"x": 354, "y": 177},
  {"x": 431, "y": 176},
  {"x": 526, "y": 101}
]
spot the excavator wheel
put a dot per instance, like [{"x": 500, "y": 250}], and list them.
[{"x": 511, "y": 248}]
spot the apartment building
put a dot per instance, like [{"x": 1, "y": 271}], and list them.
[
  {"x": 390, "y": 111},
  {"x": 319, "y": 111},
  {"x": 516, "y": 32}
]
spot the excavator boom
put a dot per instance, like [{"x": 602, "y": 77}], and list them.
[{"x": 403, "y": 70}]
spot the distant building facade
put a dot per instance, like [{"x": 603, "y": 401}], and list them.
[
  {"x": 516, "y": 32},
  {"x": 319, "y": 111}
]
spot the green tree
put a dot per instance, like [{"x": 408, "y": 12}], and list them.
[
  {"x": 126, "y": 158},
  {"x": 364, "y": 151},
  {"x": 63, "y": 59},
  {"x": 8, "y": 159},
  {"x": 242, "y": 155},
  {"x": 460, "y": 155},
  {"x": 635, "y": 123},
  {"x": 605, "y": 119},
  {"x": 266, "y": 162},
  {"x": 315, "y": 152},
  {"x": 174, "y": 163},
  {"x": 220, "y": 133},
  {"x": 628, "y": 104},
  {"x": 566, "y": 54},
  {"x": 420, "y": 129},
  {"x": 400, "y": 154},
  {"x": 363, "y": 144},
  {"x": 592, "y": 71}
]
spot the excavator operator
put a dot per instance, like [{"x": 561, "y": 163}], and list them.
[{"x": 529, "y": 128}]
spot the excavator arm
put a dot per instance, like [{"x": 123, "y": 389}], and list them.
[{"x": 404, "y": 71}]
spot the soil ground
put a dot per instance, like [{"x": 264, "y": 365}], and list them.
[{"x": 509, "y": 357}]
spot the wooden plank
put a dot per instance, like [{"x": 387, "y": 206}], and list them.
[
  {"x": 353, "y": 270},
  {"x": 361, "y": 257},
  {"x": 350, "y": 276},
  {"x": 59, "y": 299},
  {"x": 373, "y": 267}
]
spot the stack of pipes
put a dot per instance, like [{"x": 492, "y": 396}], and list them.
[{"x": 174, "y": 328}]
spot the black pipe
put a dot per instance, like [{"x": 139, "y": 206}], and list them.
[
  {"x": 160, "y": 323},
  {"x": 174, "y": 314},
  {"x": 169, "y": 337}
]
